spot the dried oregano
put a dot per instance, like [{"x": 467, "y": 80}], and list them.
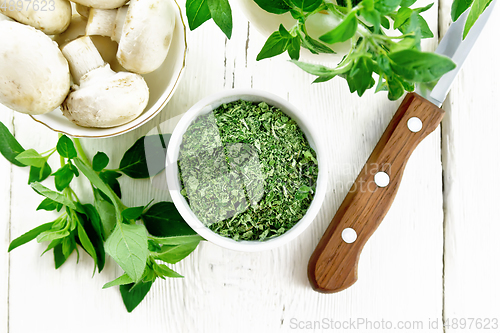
[{"x": 247, "y": 170}]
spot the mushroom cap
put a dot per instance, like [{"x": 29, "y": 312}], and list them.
[
  {"x": 34, "y": 75},
  {"x": 107, "y": 99},
  {"x": 101, "y": 4},
  {"x": 146, "y": 35},
  {"x": 52, "y": 19}
]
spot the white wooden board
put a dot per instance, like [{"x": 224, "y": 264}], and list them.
[
  {"x": 401, "y": 268},
  {"x": 471, "y": 143}
]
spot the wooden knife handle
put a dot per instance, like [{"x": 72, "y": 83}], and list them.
[{"x": 333, "y": 264}]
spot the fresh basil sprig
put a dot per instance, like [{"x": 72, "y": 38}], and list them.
[{"x": 106, "y": 225}]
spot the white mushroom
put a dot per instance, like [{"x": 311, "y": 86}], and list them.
[
  {"x": 107, "y": 48},
  {"x": 103, "y": 98},
  {"x": 143, "y": 31},
  {"x": 101, "y": 4},
  {"x": 51, "y": 17},
  {"x": 34, "y": 75}
]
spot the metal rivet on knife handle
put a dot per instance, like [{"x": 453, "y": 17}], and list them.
[
  {"x": 349, "y": 235},
  {"x": 414, "y": 124},
  {"x": 381, "y": 179},
  {"x": 333, "y": 264}
]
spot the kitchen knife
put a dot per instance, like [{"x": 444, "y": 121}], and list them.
[{"x": 333, "y": 264}]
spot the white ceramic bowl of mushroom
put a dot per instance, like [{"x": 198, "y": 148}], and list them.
[{"x": 92, "y": 68}]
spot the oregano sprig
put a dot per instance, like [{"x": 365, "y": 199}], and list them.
[
  {"x": 106, "y": 225},
  {"x": 376, "y": 58}
]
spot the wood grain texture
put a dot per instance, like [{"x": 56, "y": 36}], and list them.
[
  {"x": 333, "y": 266},
  {"x": 471, "y": 144},
  {"x": 5, "y": 189},
  {"x": 227, "y": 291}
]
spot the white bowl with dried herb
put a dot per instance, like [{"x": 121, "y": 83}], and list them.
[{"x": 246, "y": 170}]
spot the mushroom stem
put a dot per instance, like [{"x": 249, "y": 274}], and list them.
[
  {"x": 82, "y": 56},
  {"x": 101, "y": 22},
  {"x": 121, "y": 17},
  {"x": 107, "y": 22}
]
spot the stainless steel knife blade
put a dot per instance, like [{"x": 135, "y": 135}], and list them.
[{"x": 457, "y": 49}]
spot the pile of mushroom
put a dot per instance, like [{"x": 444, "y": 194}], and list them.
[{"x": 72, "y": 68}]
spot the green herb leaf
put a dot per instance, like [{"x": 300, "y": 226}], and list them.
[
  {"x": 133, "y": 213},
  {"x": 124, "y": 279},
  {"x": 361, "y": 74},
  {"x": 95, "y": 220},
  {"x": 163, "y": 271},
  {"x": 373, "y": 17},
  {"x": 273, "y": 6},
  {"x": 9, "y": 147},
  {"x": 29, "y": 236},
  {"x": 402, "y": 16},
  {"x": 133, "y": 294},
  {"x": 220, "y": 10},
  {"x": 146, "y": 158},
  {"x": 477, "y": 8},
  {"x": 85, "y": 241},
  {"x": 407, "y": 3},
  {"x": 51, "y": 236},
  {"x": 323, "y": 78},
  {"x": 96, "y": 181},
  {"x": 63, "y": 177},
  {"x": 49, "y": 205},
  {"x": 386, "y": 6},
  {"x": 197, "y": 12},
  {"x": 344, "y": 31},
  {"x": 276, "y": 44},
  {"x": 100, "y": 161},
  {"x": 306, "y": 5},
  {"x": 55, "y": 196},
  {"x": 459, "y": 7},
  {"x": 52, "y": 245},
  {"x": 163, "y": 220},
  {"x": 343, "y": 3},
  {"x": 385, "y": 22},
  {"x": 314, "y": 46},
  {"x": 395, "y": 88},
  {"x": 175, "y": 253},
  {"x": 107, "y": 213},
  {"x": 39, "y": 174},
  {"x": 294, "y": 48},
  {"x": 69, "y": 245},
  {"x": 318, "y": 70},
  {"x": 178, "y": 240},
  {"x": 128, "y": 246},
  {"x": 59, "y": 257},
  {"x": 66, "y": 148},
  {"x": 416, "y": 66},
  {"x": 32, "y": 158},
  {"x": 111, "y": 178}
]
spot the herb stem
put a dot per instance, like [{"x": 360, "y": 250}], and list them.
[
  {"x": 51, "y": 151},
  {"x": 80, "y": 151},
  {"x": 73, "y": 193}
]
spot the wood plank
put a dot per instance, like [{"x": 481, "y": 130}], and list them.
[
  {"x": 470, "y": 144},
  {"x": 5, "y": 189}
]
